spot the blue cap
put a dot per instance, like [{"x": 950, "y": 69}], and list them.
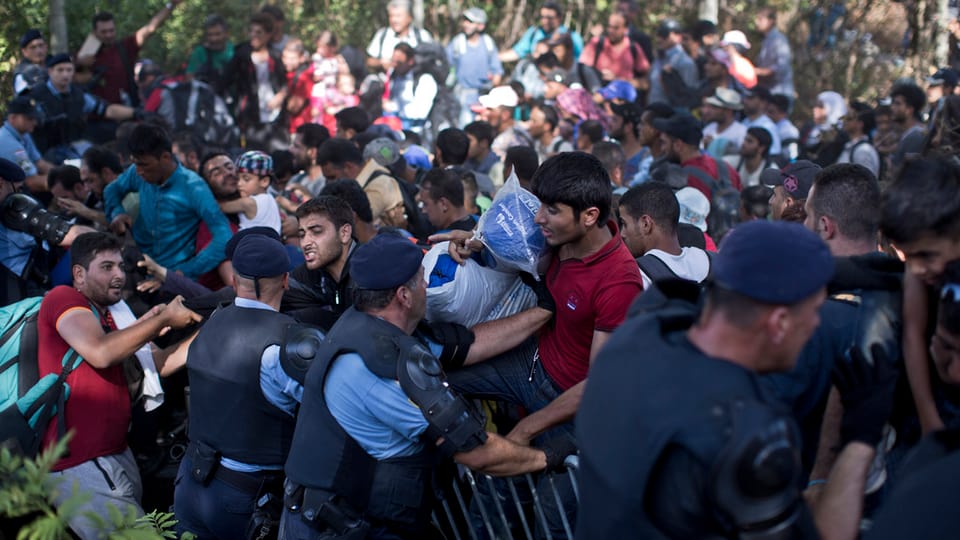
[
  {"x": 11, "y": 172},
  {"x": 234, "y": 240},
  {"x": 61, "y": 58},
  {"x": 417, "y": 157},
  {"x": 259, "y": 256},
  {"x": 619, "y": 90},
  {"x": 773, "y": 262},
  {"x": 385, "y": 262},
  {"x": 29, "y": 36}
]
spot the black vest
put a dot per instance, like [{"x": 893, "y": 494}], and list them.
[
  {"x": 63, "y": 119},
  {"x": 638, "y": 402},
  {"x": 227, "y": 407},
  {"x": 324, "y": 457}
]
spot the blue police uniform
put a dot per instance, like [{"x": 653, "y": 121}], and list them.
[{"x": 19, "y": 148}]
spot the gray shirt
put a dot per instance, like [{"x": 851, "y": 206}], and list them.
[{"x": 679, "y": 61}]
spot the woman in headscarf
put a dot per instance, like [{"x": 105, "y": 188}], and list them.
[{"x": 822, "y": 139}]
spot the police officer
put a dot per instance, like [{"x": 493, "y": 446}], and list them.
[
  {"x": 375, "y": 405},
  {"x": 241, "y": 402},
  {"x": 695, "y": 450}
]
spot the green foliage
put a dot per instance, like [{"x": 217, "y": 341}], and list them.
[{"x": 26, "y": 489}]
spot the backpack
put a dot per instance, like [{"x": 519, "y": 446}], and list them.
[
  {"x": 724, "y": 199},
  {"x": 27, "y": 401},
  {"x": 430, "y": 58},
  {"x": 657, "y": 270},
  {"x": 199, "y": 110},
  {"x": 634, "y": 50}
]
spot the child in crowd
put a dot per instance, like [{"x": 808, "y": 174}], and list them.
[{"x": 256, "y": 207}]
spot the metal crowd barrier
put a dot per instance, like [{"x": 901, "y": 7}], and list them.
[{"x": 515, "y": 516}]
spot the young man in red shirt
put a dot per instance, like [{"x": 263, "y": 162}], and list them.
[
  {"x": 680, "y": 135},
  {"x": 98, "y": 409},
  {"x": 592, "y": 280}
]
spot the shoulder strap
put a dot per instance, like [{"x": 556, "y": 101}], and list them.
[
  {"x": 383, "y": 38},
  {"x": 723, "y": 173},
  {"x": 599, "y": 48},
  {"x": 702, "y": 175},
  {"x": 654, "y": 268},
  {"x": 488, "y": 44}
]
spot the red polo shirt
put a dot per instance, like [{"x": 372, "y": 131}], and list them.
[
  {"x": 115, "y": 75},
  {"x": 592, "y": 294}
]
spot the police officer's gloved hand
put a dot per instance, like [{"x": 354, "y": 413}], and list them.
[
  {"x": 539, "y": 286},
  {"x": 866, "y": 388}
]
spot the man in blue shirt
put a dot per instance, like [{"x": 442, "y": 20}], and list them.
[
  {"x": 16, "y": 144},
  {"x": 550, "y": 16},
  {"x": 173, "y": 202},
  {"x": 242, "y": 402},
  {"x": 671, "y": 59},
  {"x": 473, "y": 55}
]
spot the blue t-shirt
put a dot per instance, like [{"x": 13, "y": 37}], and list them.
[
  {"x": 524, "y": 46},
  {"x": 15, "y": 249},
  {"x": 474, "y": 64}
]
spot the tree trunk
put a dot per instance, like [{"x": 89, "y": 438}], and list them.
[
  {"x": 709, "y": 10},
  {"x": 58, "y": 27},
  {"x": 940, "y": 36}
]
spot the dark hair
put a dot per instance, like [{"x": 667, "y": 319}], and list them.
[
  {"x": 739, "y": 310},
  {"x": 591, "y": 129},
  {"x": 262, "y": 20},
  {"x": 66, "y": 175},
  {"x": 882, "y": 110},
  {"x": 99, "y": 158},
  {"x": 768, "y": 12},
  {"x": 553, "y": 6},
  {"x": 444, "y": 183},
  {"x": 86, "y": 246},
  {"x": 282, "y": 163},
  {"x": 351, "y": 193},
  {"x": 865, "y": 114},
  {"x": 313, "y": 135},
  {"x": 576, "y": 179},
  {"x": 850, "y": 195},
  {"x": 524, "y": 161},
  {"x": 469, "y": 181},
  {"x": 781, "y": 102},
  {"x": 518, "y": 89},
  {"x": 411, "y": 138},
  {"x": 550, "y": 115},
  {"x": 610, "y": 154},
  {"x": 372, "y": 299},
  {"x": 654, "y": 199},
  {"x": 207, "y": 157},
  {"x": 659, "y": 109},
  {"x": 101, "y": 16},
  {"x": 762, "y": 135},
  {"x": 756, "y": 200},
  {"x": 547, "y": 60},
  {"x": 338, "y": 152},
  {"x": 912, "y": 95},
  {"x": 274, "y": 12},
  {"x": 354, "y": 118},
  {"x": 454, "y": 144},
  {"x": 924, "y": 199},
  {"x": 702, "y": 28},
  {"x": 481, "y": 131},
  {"x": 406, "y": 49},
  {"x": 149, "y": 140},
  {"x": 214, "y": 20},
  {"x": 328, "y": 37},
  {"x": 187, "y": 142},
  {"x": 334, "y": 208}
]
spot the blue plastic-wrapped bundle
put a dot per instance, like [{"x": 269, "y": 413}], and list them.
[{"x": 508, "y": 229}]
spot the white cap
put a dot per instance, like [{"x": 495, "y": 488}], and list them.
[
  {"x": 694, "y": 207},
  {"x": 735, "y": 37},
  {"x": 501, "y": 96}
]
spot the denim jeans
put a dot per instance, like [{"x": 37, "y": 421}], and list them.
[{"x": 517, "y": 376}]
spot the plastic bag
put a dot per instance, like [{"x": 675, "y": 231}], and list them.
[
  {"x": 465, "y": 294},
  {"x": 508, "y": 229}
]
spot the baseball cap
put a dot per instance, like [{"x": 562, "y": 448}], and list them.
[
  {"x": 557, "y": 75},
  {"x": 383, "y": 150},
  {"x": 667, "y": 27},
  {"x": 945, "y": 76},
  {"x": 255, "y": 162},
  {"x": 476, "y": 15},
  {"x": 24, "y": 105},
  {"x": 619, "y": 90},
  {"x": 797, "y": 178},
  {"x": 501, "y": 96},
  {"x": 735, "y": 37},
  {"x": 726, "y": 98},
  {"x": 760, "y": 92},
  {"x": 683, "y": 126},
  {"x": 795, "y": 262},
  {"x": 694, "y": 207},
  {"x": 387, "y": 261}
]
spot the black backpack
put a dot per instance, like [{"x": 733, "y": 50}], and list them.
[
  {"x": 724, "y": 199},
  {"x": 199, "y": 110},
  {"x": 431, "y": 59},
  {"x": 657, "y": 270}
]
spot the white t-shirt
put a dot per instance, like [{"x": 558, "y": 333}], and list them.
[
  {"x": 268, "y": 213},
  {"x": 748, "y": 178},
  {"x": 734, "y": 135},
  {"x": 693, "y": 263}
]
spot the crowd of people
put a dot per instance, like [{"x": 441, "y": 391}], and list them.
[{"x": 743, "y": 322}]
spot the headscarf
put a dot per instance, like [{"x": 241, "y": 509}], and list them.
[{"x": 579, "y": 102}]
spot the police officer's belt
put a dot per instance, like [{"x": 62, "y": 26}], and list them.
[{"x": 323, "y": 508}]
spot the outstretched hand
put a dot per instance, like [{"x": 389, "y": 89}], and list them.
[{"x": 463, "y": 244}]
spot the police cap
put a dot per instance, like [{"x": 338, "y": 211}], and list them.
[
  {"x": 385, "y": 262},
  {"x": 259, "y": 256},
  {"x": 773, "y": 262}
]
